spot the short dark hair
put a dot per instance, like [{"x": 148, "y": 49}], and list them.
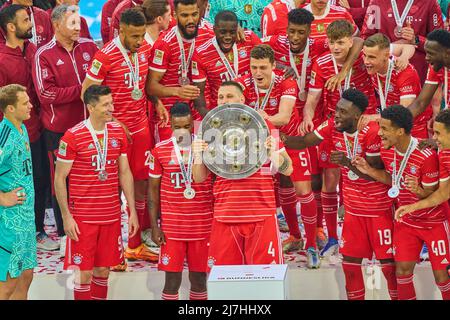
[
  {"x": 441, "y": 36},
  {"x": 400, "y": 116},
  {"x": 339, "y": 29},
  {"x": 8, "y": 95},
  {"x": 153, "y": 9},
  {"x": 444, "y": 118},
  {"x": 300, "y": 17},
  {"x": 358, "y": 98},
  {"x": 225, "y": 15},
  {"x": 8, "y": 15},
  {"x": 233, "y": 84},
  {"x": 93, "y": 93},
  {"x": 378, "y": 39},
  {"x": 180, "y": 109},
  {"x": 133, "y": 17},
  {"x": 183, "y": 2},
  {"x": 263, "y": 51}
]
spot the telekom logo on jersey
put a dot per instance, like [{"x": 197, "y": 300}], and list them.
[
  {"x": 129, "y": 80},
  {"x": 96, "y": 163}
]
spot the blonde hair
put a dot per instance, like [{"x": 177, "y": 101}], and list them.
[{"x": 8, "y": 95}]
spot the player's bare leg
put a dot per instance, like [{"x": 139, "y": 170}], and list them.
[
  {"x": 331, "y": 178},
  {"x": 23, "y": 285},
  {"x": 198, "y": 286},
  {"x": 172, "y": 286},
  {"x": 99, "y": 283},
  {"x": 8, "y": 287},
  {"x": 308, "y": 209},
  {"x": 405, "y": 275},
  {"x": 288, "y": 202}
]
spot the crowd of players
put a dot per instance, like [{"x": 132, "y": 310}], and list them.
[{"x": 352, "y": 91}]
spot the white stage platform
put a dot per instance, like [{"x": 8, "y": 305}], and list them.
[{"x": 326, "y": 283}]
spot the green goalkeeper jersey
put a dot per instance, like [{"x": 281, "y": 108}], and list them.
[{"x": 248, "y": 12}]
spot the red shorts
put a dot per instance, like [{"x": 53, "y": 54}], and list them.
[
  {"x": 139, "y": 153},
  {"x": 97, "y": 246},
  {"x": 245, "y": 243},
  {"x": 408, "y": 242},
  {"x": 362, "y": 236},
  {"x": 325, "y": 148},
  {"x": 301, "y": 164},
  {"x": 174, "y": 253},
  {"x": 314, "y": 160}
]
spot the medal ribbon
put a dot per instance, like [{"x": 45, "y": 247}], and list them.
[
  {"x": 446, "y": 87},
  {"x": 400, "y": 20},
  {"x": 383, "y": 93},
  {"x": 266, "y": 97},
  {"x": 397, "y": 177},
  {"x": 101, "y": 158},
  {"x": 186, "y": 173},
  {"x": 134, "y": 71},
  {"x": 232, "y": 72},
  {"x": 184, "y": 63},
  {"x": 348, "y": 77},
  {"x": 301, "y": 79},
  {"x": 351, "y": 153}
]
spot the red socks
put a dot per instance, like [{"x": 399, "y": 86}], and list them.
[
  {"x": 405, "y": 287},
  {"x": 444, "y": 287},
  {"x": 354, "y": 281},
  {"x": 198, "y": 295},
  {"x": 82, "y": 291},
  {"x": 318, "y": 197},
  {"x": 388, "y": 270},
  {"x": 288, "y": 201},
  {"x": 99, "y": 288},
  {"x": 330, "y": 206},
  {"x": 134, "y": 242},
  {"x": 166, "y": 296},
  {"x": 308, "y": 210}
]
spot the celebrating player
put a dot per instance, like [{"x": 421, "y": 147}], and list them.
[
  {"x": 244, "y": 227},
  {"x": 17, "y": 229},
  {"x": 93, "y": 156},
  {"x": 185, "y": 208},
  {"x": 412, "y": 174}
]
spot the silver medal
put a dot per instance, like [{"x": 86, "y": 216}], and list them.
[
  {"x": 393, "y": 192},
  {"x": 183, "y": 81},
  {"x": 352, "y": 176},
  {"x": 136, "y": 94},
  {"x": 398, "y": 31},
  {"x": 302, "y": 96},
  {"x": 102, "y": 175},
  {"x": 189, "y": 193}
]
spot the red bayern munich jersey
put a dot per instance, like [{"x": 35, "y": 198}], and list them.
[
  {"x": 92, "y": 200},
  {"x": 444, "y": 165},
  {"x": 181, "y": 219},
  {"x": 110, "y": 68},
  {"x": 165, "y": 58},
  {"x": 323, "y": 69},
  {"x": 274, "y": 20},
  {"x": 438, "y": 78},
  {"x": 360, "y": 193},
  {"x": 282, "y": 88},
  {"x": 424, "y": 165},
  {"x": 280, "y": 44},
  {"x": 247, "y": 200},
  {"x": 404, "y": 84},
  {"x": 332, "y": 13},
  {"x": 208, "y": 66}
]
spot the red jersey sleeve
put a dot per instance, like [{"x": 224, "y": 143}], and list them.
[
  {"x": 252, "y": 38},
  {"x": 124, "y": 142},
  {"x": 268, "y": 27},
  {"x": 372, "y": 141},
  {"x": 67, "y": 150},
  {"x": 349, "y": 17},
  {"x": 199, "y": 73},
  {"x": 430, "y": 170},
  {"x": 435, "y": 21},
  {"x": 444, "y": 175},
  {"x": 317, "y": 80},
  {"x": 320, "y": 46},
  {"x": 100, "y": 67},
  {"x": 325, "y": 130},
  {"x": 271, "y": 41},
  {"x": 289, "y": 89},
  {"x": 159, "y": 58},
  {"x": 433, "y": 77},
  {"x": 155, "y": 168},
  {"x": 408, "y": 83}
]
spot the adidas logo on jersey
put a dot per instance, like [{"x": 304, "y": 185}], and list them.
[
  {"x": 60, "y": 62},
  {"x": 307, "y": 173},
  {"x": 389, "y": 251},
  {"x": 219, "y": 64},
  {"x": 283, "y": 59},
  {"x": 445, "y": 261},
  {"x": 338, "y": 145},
  {"x": 171, "y": 162},
  {"x": 124, "y": 64},
  {"x": 91, "y": 146}
]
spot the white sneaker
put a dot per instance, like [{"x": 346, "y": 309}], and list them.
[
  {"x": 146, "y": 237},
  {"x": 44, "y": 242},
  {"x": 62, "y": 246},
  {"x": 49, "y": 218}
]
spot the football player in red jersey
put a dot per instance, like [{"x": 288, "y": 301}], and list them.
[
  {"x": 93, "y": 156},
  {"x": 442, "y": 136},
  {"x": 411, "y": 174},
  {"x": 245, "y": 229},
  {"x": 274, "y": 19},
  {"x": 362, "y": 225},
  {"x": 185, "y": 208}
]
